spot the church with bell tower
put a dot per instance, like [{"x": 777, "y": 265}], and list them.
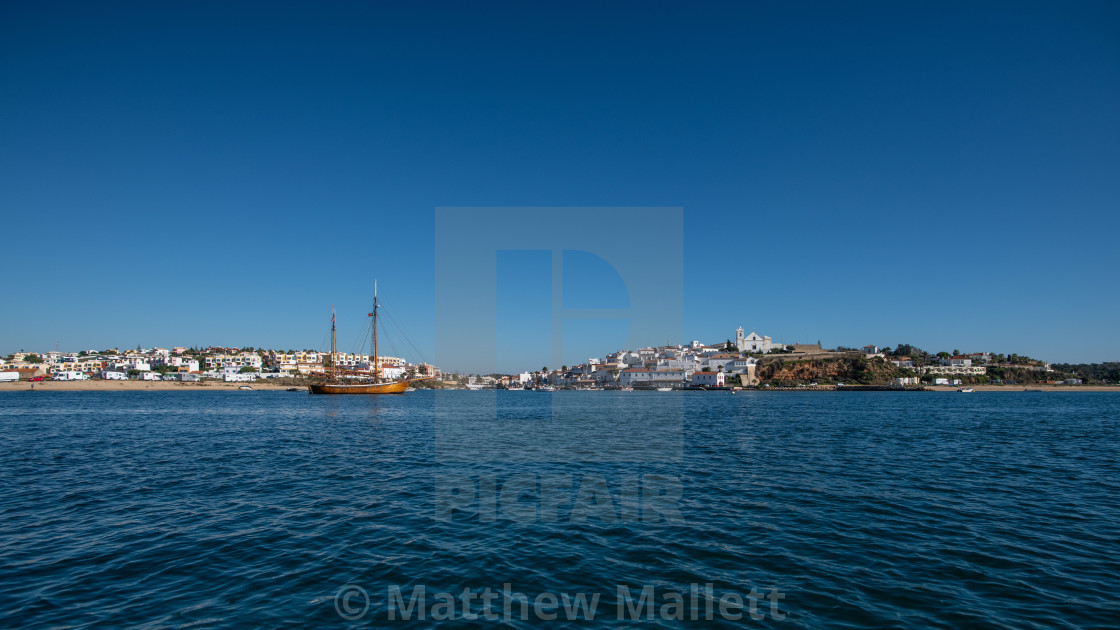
[{"x": 753, "y": 342}]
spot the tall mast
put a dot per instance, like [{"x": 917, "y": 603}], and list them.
[
  {"x": 334, "y": 360},
  {"x": 376, "y": 358}
]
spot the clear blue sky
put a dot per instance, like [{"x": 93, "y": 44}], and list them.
[{"x": 940, "y": 174}]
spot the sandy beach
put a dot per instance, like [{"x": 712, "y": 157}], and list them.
[
  {"x": 133, "y": 386},
  {"x": 1020, "y": 388}
]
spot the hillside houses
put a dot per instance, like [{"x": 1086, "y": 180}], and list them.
[
  {"x": 737, "y": 363},
  {"x": 213, "y": 362},
  {"x": 677, "y": 366}
]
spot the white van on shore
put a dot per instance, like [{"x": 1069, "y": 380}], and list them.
[
  {"x": 70, "y": 375},
  {"x": 8, "y": 377}
]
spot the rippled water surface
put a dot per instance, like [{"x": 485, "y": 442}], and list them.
[{"x": 253, "y": 509}]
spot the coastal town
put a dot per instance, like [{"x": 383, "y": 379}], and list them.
[
  {"x": 752, "y": 360},
  {"x": 236, "y": 365},
  {"x": 749, "y": 360}
]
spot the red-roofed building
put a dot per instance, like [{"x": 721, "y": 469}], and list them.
[{"x": 708, "y": 379}]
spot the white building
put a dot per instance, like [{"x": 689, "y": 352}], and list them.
[
  {"x": 753, "y": 342},
  {"x": 963, "y": 370},
  {"x": 627, "y": 359},
  {"x": 742, "y": 364},
  {"x": 747, "y": 369},
  {"x": 239, "y": 360},
  {"x": 708, "y": 379},
  {"x": 605, "y": 377},
  {"x": 721, "y": 361},
  {"x": 392, "y": 372},
  {"x": 687, "y": 364},
  {"x": 180, "y": 362},
  {"x": 639, "y": 377},
  {"x": 231, "y": 369},
  {"x": 131, "y": 363},
  {"x": 669, "y": 378}
]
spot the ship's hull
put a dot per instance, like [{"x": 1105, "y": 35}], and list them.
[{"x": 396, "y": 387}]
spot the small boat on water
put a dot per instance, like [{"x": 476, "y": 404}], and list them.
[
  {"x": 965, "y": 390},
  {"x": 396, "y": 387},
  {"x": 627, "y": 389},
  {"x": 664, "y": 389},
  {"x": 245, "y": 388},
  {"x": 293, "y": 389},
  {"x": 1033, "y": 391},
  {"x": 333, "y": 385},
  {"x": 546, "y": 388}
]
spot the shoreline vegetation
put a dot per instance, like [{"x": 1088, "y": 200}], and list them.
[{"x": 205, "y": 386}]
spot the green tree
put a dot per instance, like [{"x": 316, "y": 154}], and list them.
[
  {"x": 247, "y": 370},
  {"x": 33, "y": 358}
]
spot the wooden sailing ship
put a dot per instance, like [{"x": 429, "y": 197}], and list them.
[{"x": 333, "y": 385}]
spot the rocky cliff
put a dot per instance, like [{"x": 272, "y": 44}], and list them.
[{"x": 875, "y": 371}]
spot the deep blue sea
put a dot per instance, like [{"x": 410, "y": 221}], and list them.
[{"x": 822, "y": 510}]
